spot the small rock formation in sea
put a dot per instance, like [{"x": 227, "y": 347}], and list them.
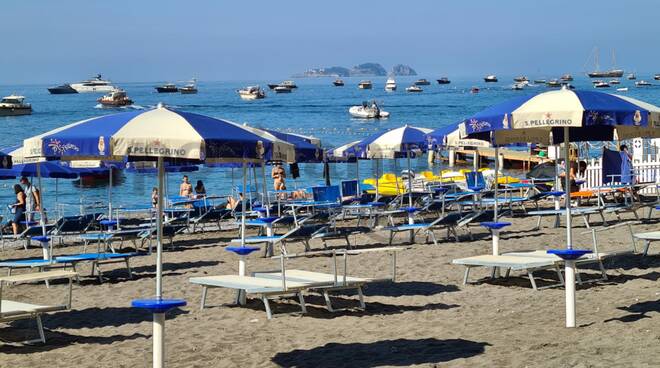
[
  {"x": 403, "y": 70},
  {"x": 368, "y": 70}
]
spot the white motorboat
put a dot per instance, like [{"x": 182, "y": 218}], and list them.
[
  {"x": 289, "y": 84},
  {"x": 622, "y": 89},
  {"x": 390, "y": 85},
  {"x": 282, "y": 89},
  {"x": 566, "y": 78},
  {"x": 251, "y": 93},
  {"x": 643, "y": 83},
  {"x": 656, "y": 77},
  {"x": 631, "y": 76},
  {"x": 601, "y": 84},
  {"x": 520, "y": 79},
  {"x": 490, "y": 78},
  {"x": 518, "y": 86},
  {"x": 368, "y": 111},
  {"x": 96, "y": 84},
  {"x": 14, "y": 105},
  {"x": 414, "y": 89},
  {"x": 365, "y": 84},
  {"x": 190, "y": 88},
  {"x": 614, "y": 81},
  {"x": 116, "y": 98}
]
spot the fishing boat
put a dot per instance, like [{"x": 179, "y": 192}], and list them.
[
  {"x": 553, "y": 83},
  {"x": 414, "y": 89},
  {"x": 368, "y": 111},
  {"x": 282, "y": 89},
  {"x": 597, "y": 73},
  {"x": 62, "y": 89},
  {"x": 520, "y": 78},
  {"x": 566, "y": 78},
  {"x": 631, "y": 76},
  {"x": 167, "y": 88},
  {"x": 614, "y": 81},
  {"x": 338, "y": 83},
  {"x": 443, "y": 80},
  {"x": 251, "y": 93},
  {"x": 643, "y": 83},
  {"x": 490, "y": 78},
  {"x": 190, "y": 88},
  {"x": 390, "y": 85},
  {"x": 96, "y": 84},
  {"x": 14, "y": 105},
  {"x": 365, "y": 84},
  {"x": 601, "y": 84},
  {"x": 116, "y": 98},
  {"x": 422, "y": 82},
  {"x": 474, "y": 90}
]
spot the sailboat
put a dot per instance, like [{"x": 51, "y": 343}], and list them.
[{"x": 612, "y": 73}]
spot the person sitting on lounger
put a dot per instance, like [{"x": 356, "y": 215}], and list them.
[
  {"x": 200, "y": 190},
  {"x": 233, "y": 203},
  {"x": 18, "y": 208}
]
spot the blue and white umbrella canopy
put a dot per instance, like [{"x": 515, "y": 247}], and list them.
[
  {"x": 159, "y": 132},
  {"x": 48, "y": 169},
  {"x": 342, "y": 153},
  {"x": 449, "y": 136},
  {"x": 589, "y": 115},
  {"x": 398, "y": 142},
  {"x": 308, "y": 149}
]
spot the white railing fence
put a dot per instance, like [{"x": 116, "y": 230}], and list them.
[{"x": 647, "y": 170}]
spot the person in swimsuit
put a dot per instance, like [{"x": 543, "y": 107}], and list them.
[
  {"x": 279, "y": 175},
  {"x": 18, "y": 208},
  {"x": 186, "y": 189},
  {"x": 154, "y": 197},
  {"x": 200, "y": 189}
]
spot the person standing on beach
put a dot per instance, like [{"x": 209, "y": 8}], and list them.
[
  {"x": 18, "y": 208},
  {"x": 279, "y": 175},
  {"x": 186, "y": 189},
  {"x": 200, "y": 190},
  {"x": 154, "y": 197},
  {"x": 32, "y": 200}
]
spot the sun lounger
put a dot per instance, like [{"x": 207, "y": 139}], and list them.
[
  {"x": 97, "y": 260},
  {"x": 13, "y": 310},
  {"x": 584, "y": 212},
  {"x": 647, "y": 238},
  {"x": 263, "y": 288},
  {"x": 585, "y": 259},
  {"x": 450, "y": 221},
  {"x": 527, "y": 264}
]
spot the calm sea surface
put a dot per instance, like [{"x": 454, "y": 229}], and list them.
[{"x": 316, "y": 108}]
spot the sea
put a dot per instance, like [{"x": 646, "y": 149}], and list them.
[{"x": 315, "y": 108}]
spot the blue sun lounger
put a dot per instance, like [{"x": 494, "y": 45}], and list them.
[{"x": 98, "y": 259}]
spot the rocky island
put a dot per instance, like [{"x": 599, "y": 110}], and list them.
[{"x": 361, "y": 70}]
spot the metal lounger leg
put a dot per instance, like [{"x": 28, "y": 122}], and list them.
[
  {"x": 98, "y": 271},
  {"x": 559, "y": 275},
  {"x": 646, "y": 247},
  {"x": 301, "y": 299},
  {"x": 530, "y": 274},
  {"x": 203, "y": 301},
  {"x": 269, "y": 313},
  {"x": 361, "y": 298},
  {"x": 467, "y": 274},
  {"x": 40, "y": 326},
  {"x": 128, "y": 268},
  {"x": 328, "y": 303}
]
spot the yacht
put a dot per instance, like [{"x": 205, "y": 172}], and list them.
[
  {"x": 368, "y": 111},
  {"x": 443, "y": 80},
  {"x": 62, "y": 89},
  {"x": 614, "y": 81},
  {"x": 390, "y": 85},
  {"x": 631, "y": 76},
  {"x": 282, "y": 89},
  {"x": 289, "y": 84},
  {"x": 597, "y": 73},
  {"x": 13, "y": 106},
  {"x": 251, "y": 93},
  {"x": 96, "y": 84},
  {"x": 190, "y": 88},
  {"x": 553, "y": 83},
  {"x": 490, "y": 78},
  {"x": 643, "y": 83},
  {"x": 566, "y": 78},
  {"x": 167, "y": 88},
  {"x": 116, "y": 98},
  {"x": 338, "y": 83},
  {"x": 365, "y": 84},
  {"x": 521, "y": 78},
  {"x": 422, "y": 82},
  {"x": 601, "y": 84},
  {"x": 414, "y": 89}
]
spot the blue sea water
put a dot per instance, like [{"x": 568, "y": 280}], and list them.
[{"x": 316, "y": 108}]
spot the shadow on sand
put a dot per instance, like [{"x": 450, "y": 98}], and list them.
[
  {"x": 56, "y": 340},
  {"x": 400, "y": 352},
  {"x": 637, "y": 311},
  {"x": 408, "y": 288}
]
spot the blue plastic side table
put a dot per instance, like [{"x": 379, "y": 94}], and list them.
[
  {"x": 158, "y": 306},
  {"x": 569, "y": 254}
]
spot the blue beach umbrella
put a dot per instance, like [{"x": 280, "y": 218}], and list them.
[
  {"x": 160, "y": 134},
  {"x": 308, "y": 149},
  {"x": 564, "y": 115},
  {"x": 49, "y": 169}
]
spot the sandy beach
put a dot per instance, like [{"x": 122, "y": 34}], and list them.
[{"x": 427, "y": 318}]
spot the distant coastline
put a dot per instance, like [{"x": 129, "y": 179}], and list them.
[{"x": 361, "y": 70}]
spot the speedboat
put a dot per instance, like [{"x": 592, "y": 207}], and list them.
[
  {"x": 422, "y": 82},
  {"x": 656, "y": 77},
  {"x": 518, "y": 86},
  {"x": 631, "y": 76},
  {"x": 338, "y": 83},
  {"x": 622, "y": 89},
  {"x": 601, "y": 84},
  {"x": 251, "y": 93},
  {"x": 490, "y": 78},
  {"x": 116, "y": 98},
  {"x": 167, "y": 88},
  {"x": 62, "y": 89},
  {"x": 390, "y": 85},
  {"x": 96, "y": 84},
  {"x": 289, "y": 84},
  {"x": 614, "y": 81},
  {"x": 474, "y": 90},
  {"x": 368, "y": 111},
  {"x": 365, "y": 84},
  {"x": 566, "y": 78},
  {"x": 553, "y": 83},
  {"x": 414, "y": 89},
  {"x": 443, "y": 80},
  {"x": 13, "y": 106},
  {"x": 539, "y": 81},
  {"x": 643, "y": 83},
  {"x": 521, "y": 78},
  {"x": 190, "y": 88},
  {"x": 282, "y": 89}
]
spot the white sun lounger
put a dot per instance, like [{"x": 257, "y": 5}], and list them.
[
  {"x": 263, "y": 288},
  {"x": 13, "y": 310},
  {"x": 527, "y": 264},
  {"x": 647, "y": 238},
  {"x": 585, "y": 259}
]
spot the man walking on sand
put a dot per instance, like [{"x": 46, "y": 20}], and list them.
[{"x": 32, "y": 200}]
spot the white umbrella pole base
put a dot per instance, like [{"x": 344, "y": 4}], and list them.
[
  {"x": 569, "y": 256},
  {"x": 159, "y": 340}
]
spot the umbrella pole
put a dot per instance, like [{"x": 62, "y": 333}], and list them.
[
  {"x": 410, "y": 200},
  {"x": 569, "y": 277},
  {"x": 110, "y": 193},
  {"x": 357, "y": 177},
  {"x": 159, "y": 318},
  {"x": 377, "y": 182},
  {"x": 266, "y": 200},
  {"x": 42, "y": 221},
  {"x": 241, "y": 260},
  {"x": 497, "y": 170}
]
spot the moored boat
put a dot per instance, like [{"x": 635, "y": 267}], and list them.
[
  {"x": 14, "y": 105},
  {"x": 390, "y": 85},
  {"x": 116, "y": 98},
  {"x": 601, "y": 84},
  {"x": 566, "y": 78},
  {"x": 96, "y": 84},
  {"x": 167, "y": 88},
  {"x": 643, "y": 83},
  {"x": 62, "y": 89},
  {"x": 414, "y": 89},
  {"x": 553, "y": 83},
  {"x": 251, "y": 93},
  {"x": 520, "y": 78},
  {"x": 474, "y": 90},
  {"x": 631, "y": 76},
  {"x": 614, "y": 81},
  {"x": 656, "y": 77},
  {"x": 540, "y": 81},
  {"x": 490, "y": 78},
  {"x": 422, "y": 82},
  {"x": 443, "y": 80},
  {"x": 338, "y": 83},
  {"x": 282, "y": 89},
  {"x": 368, "y": 111},
  {"x": 365, "y": 84},
  {"x": 190, "y": 88}
]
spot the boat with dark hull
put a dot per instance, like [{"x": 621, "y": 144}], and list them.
[
  {"x": 63, "y": 89},
  {"x": 167, "y": 88},
  {"x": 490, "y": 78},
  {"x": 338, "y": 83},
  {"x": 422, "y": 82},
  {"x": 14, "y": 106},
  {"x": 443, "y": 80}
]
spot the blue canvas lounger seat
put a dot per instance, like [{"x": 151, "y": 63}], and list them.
[
  {"x": 11, "y": 310},
  {"x": 98, "y": 259},
  {"x": 39, "y": 263},
  {"x": 584, "y": 212},
  {"x": 527, "y": 264}
]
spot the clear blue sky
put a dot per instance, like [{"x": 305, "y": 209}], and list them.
[{"x": 140, "y": 40}]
